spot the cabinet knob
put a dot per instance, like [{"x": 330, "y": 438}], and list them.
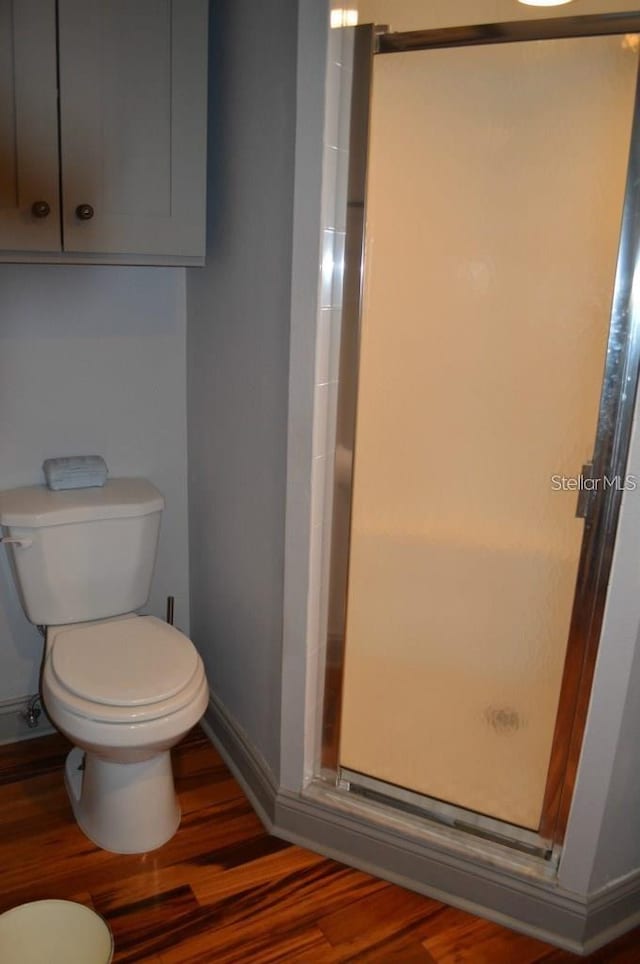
[
  {"x": 40, "y": 209},
  {"x": 84, "y": 212}
]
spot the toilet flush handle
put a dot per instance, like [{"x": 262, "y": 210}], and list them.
[{"x": 9, "y": 541}]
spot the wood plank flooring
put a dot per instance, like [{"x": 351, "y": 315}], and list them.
[{"x": 223, "y": 890}]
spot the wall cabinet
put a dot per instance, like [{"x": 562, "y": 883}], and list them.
[{"x": 103, "y": 130}]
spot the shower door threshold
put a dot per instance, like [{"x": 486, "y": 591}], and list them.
[{"x": 438, "y": 811}]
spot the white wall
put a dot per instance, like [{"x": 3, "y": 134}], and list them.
[
  {"x": 92, "y": 360},
  {"x": 603, "y": 835}
]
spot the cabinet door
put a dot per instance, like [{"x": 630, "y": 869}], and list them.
[
  {"x": 28, "y": 126},
  {"x": 133, "y": 125}
]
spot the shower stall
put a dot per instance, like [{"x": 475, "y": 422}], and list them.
[{"x": 488, "y": 376}]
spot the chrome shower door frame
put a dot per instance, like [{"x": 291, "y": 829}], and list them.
[{"x": 615, "y": 417}]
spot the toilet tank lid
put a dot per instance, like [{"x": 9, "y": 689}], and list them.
[{"x": 36, "y": 506}]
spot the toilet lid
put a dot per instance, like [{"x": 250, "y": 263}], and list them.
[{"x": 124, "y": 662}]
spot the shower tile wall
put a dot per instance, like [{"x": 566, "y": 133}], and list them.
[{"x": 334, "y": 216}]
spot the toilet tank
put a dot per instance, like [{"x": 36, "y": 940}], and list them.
[{"x": 82, "y": 554}]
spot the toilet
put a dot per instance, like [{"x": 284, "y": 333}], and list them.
[{"x": 123, "y": 687}]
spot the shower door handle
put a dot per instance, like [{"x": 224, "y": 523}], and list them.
[{"x": 586, "y": 491}]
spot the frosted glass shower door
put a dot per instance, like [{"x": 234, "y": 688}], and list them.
[{"x": 495, "y": 191}]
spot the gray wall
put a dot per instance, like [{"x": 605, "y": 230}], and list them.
[
  {"x": 92, "y": 359},
  {"x": 618, "y": 852},
  {"x": 238, "y": 310}
]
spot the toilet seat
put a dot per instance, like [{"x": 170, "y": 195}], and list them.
[{"x": 126, "y": 670}]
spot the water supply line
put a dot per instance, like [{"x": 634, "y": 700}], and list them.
[{"x": 33, "y": 711}]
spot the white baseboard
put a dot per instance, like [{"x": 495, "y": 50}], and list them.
[{"x": 540, "y": 909}]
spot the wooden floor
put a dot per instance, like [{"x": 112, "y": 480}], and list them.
[{"x": 223, "y": 890}]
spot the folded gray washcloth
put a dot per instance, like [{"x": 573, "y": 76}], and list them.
[{"x": 75, "y": 472}]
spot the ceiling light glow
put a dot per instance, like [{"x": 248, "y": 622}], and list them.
[
  {"x": 544, "y": 3},
  {"x": 345, "y": 17}
]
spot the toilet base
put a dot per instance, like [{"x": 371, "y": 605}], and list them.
[{"x": 127, "y": 808}]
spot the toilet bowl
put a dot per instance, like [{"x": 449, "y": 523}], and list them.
[{"x": 124, "y": 691}]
